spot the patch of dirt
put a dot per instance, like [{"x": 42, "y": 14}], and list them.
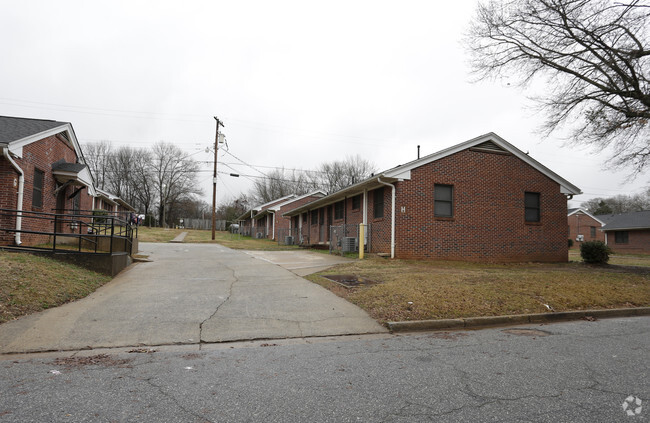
[
  {"x": 142, "y": 350},
  {"x": 527, "y": 332},
  {"x": 191, "y": 356},
  {"x": 93, "y": 360},
  {"x": 349, "y": 281},
  {"x": 447, "y": 335}
]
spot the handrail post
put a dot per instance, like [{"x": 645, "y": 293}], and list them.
[
  {"x": 112, "y": 232},
  {"x": 54, "y": 233}
]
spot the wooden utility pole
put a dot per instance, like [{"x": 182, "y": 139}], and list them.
[{"x": 214, "y": 179}]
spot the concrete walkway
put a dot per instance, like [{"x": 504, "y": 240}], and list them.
[
  {"x": 190, "y": 293},
  {"x": 300, "y": 262}
]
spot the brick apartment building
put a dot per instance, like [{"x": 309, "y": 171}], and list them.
[
  {"x": 627, "y": 232},
  {"x": 268, "y": 221},
  {"x": 583, "y": 226},
  {"x": 42, "y": 170},
  {"x": 481, "y": 200}
]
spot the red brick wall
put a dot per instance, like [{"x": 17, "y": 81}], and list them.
[
  {"x": 284, "y": 223},
  {"x": 638, "y": 242},
  {"x": 38, "y": 155},
  {"x": 488, "y": 222},
  {"x": 581, "y": 224},
  {"x": 319, "y": 233}
]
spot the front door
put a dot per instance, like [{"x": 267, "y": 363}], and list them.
[{"x": 60, "y": 209}]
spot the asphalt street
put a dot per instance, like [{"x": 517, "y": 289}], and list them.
[{"x": 565, "y": 372}]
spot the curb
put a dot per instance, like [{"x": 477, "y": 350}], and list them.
[{"x": 517, "y": 319}]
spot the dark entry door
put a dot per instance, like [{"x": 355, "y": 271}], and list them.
[{"x": 60, "y": 209}]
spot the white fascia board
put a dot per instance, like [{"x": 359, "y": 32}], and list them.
[
  {"x": 293, "y": 200},
  {"x": 274, "y": 201},
  {"x": 638, "y": 228},
  {"x": 588, "y": 214},
  {"x": 16, "y": 147},
  {"x": 125, "y": 204},
  {"x": 350, "y": 191},
  {"x": 565, "y": 186}
]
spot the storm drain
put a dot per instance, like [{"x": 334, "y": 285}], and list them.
[
  {"x": 349, "y": 281},
  {"x": 527, "y": 332}
]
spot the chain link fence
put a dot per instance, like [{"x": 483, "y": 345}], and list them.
[
  {"x": 345, "y": 239},
  {"x": 204, "y": 224},
  {"x": 288, "y": 236}
]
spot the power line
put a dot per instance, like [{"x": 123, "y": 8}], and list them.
[{"x": 237, "y": 158}]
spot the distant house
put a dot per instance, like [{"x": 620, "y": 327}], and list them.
[
  {"x": 627, "y": 232},
  {"x": 111, "y": 203},
  {"x": 267, "y": 221},
  {"x": 480, "y": 200},
  {"x": 259, "y": 227},
  {"x": 281, "y": 225},
  {"x": 583, "y": 226}
]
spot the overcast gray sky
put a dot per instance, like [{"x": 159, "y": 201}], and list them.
[{"x": 296, "y": 83}]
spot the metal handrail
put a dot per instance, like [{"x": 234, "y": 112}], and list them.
[{"x": 116, "y": 227}]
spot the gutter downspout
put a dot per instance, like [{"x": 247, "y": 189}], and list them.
[
  {"x": 273, "y": 227},
  {"x": 21, "y": 188},
  {"x": 392, "y": 217}
]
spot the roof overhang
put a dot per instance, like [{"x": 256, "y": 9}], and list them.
[
  {"x": 351, "y": 191},
  {"x": 109, "y": 198},
  {"x": 76, "y": 178},
  {"x": 124, "y": 204},
  {"x": 623, "y": 228},
  {"x": 253, "y": 211},
  {"x": 16, "y": 147}
]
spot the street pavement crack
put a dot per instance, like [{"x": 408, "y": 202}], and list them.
[
  {"x": 175, "y": 400},
  {"x": 235, "y": 279}
]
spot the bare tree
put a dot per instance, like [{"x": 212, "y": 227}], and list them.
[
  {"x": 329, "y": 177},
  {"x": 596, "y": 58},
  {"x": 120, "y": 165},
  {"x": 174, "y": 177},
  {"x": 142, "y": 180},
  {"x": 339, "y": 174},
  {"x": 618, "y": 204},
  {"x": 279, "y": 183},
  {"x": 97, "y": 156}
]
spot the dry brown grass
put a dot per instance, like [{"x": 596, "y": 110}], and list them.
[
  {"x": 224, "y": 238},
  {"x": 456, "y": 289},
  {"x": 30, "y": 283}
]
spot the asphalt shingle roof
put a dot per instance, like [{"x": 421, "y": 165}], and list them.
[
  {"x": 14, "y": 129},
  {"x": 632, "y": 220},
  {"x": 68, "y": 167}
]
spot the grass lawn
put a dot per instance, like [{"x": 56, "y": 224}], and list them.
[
  {"x": 440, "y": 289},
  {"x": 224, "y": 238},
  {"x": 30, "y": 283},
  {"x": 618, "y": 259}
]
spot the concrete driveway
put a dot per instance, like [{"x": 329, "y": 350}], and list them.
[
  {"x": 300, "y": 262},
  {"x": 188, "y": 294}
]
